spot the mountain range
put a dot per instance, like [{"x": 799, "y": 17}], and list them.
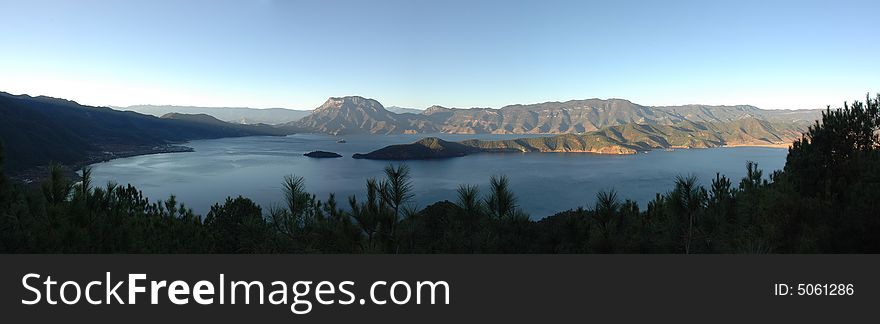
[
  {"x": 633, "y": 138},
  {"x": 238, "y": 115},
  {"x": 358, "y": 115},
  {"x": 621, "y": 139}
]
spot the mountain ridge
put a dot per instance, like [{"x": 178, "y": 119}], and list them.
[
  {"x": 39, "y": 130},
  {"x": 620, "y": 139},
  {"x": 237, "y": 115},
  {"x": 404, "y": 110},
  {"x": 211, "y": 120},
  {"x": 358, "y": 115}
]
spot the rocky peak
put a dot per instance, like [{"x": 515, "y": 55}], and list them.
[{"x": 351, "y": 102}]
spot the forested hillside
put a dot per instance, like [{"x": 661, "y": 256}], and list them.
[{"x": 39, "y": 130}]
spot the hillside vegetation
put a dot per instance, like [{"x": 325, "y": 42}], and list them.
[{"x": 40, "y": 130}]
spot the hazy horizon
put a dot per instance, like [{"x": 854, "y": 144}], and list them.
[{"x": 295, "y": 54}]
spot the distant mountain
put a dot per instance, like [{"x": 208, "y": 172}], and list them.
[
  {"x": 37, "y": 130},
  {"x": 730, "y": 113},
  {"x": 621, "y": 139},
  {"x": 210, "y": 120},
  {"x": 356, "y": 115},
  {"x": 576, "y": 116},
  {"x": 238, "y": 115},
  {"x": 631, "y": 138},
  {"x": 401, "y": 110}
]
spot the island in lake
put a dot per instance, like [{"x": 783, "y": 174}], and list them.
[
  {"x": 322, "y": 154},
  {"x": 426, "y": 148}
]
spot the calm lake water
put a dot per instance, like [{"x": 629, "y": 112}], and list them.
[{"x": 544, "y": 183}]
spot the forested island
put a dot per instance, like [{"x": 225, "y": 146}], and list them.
[
  {"x": 821, "y": 202},
  {"x": 426, "y": 148}
]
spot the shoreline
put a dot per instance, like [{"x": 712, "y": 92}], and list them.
[
  {"x": 773, "y": 145},
  {"x": 35, "y": 174},
  {"x": 608, "y": 151}
]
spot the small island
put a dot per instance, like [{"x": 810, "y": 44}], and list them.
[
  {"x": 424, "y": 149},
  {"x": 322, "y": 154}
]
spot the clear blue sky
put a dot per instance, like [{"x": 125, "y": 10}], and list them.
[{"x": 295, "y": 54}]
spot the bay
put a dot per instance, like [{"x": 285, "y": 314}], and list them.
[{"x": 545, "y": 183}]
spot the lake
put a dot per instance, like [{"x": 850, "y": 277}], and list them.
[{"x": 545, "y": 183}]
